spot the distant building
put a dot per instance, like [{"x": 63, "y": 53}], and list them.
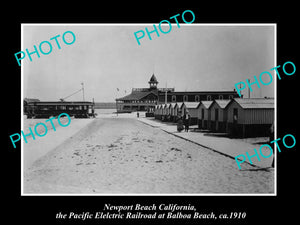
[
  {"x": 140, "y": 99},
  {"x": 26, "y": 103},
  {"x": 145, "y": 99}
]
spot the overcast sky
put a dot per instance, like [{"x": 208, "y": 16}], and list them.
[{"x": 106, "y": 57}]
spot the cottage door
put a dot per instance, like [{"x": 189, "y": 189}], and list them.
[
  {"x": 235, "y": 120},
  {"x": 217, "y": 119}
]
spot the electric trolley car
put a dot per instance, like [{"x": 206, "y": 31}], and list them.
[{"x": 39, "y": 109}]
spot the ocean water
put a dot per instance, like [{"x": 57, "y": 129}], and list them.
[{"x": 105, "y": 111}]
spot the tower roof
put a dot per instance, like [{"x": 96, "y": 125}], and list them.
[{"x": 153, "y": 79}]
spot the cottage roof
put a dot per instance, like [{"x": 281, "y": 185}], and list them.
[
  {"x": 172, "y": 105},
  {"x": 165, "y": 106},
  {"x": 179, "y": 104},
  {"x": 255, "y": 103},
  {"x": 206, "y": 104},
  {"x": 222, "y": 103},
  {"x": 191, "y": 105}
]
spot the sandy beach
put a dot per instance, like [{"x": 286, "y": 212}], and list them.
[{"x": 111, "y": 154}]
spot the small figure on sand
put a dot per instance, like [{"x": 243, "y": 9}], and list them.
[
  {"x": 179, "y": 124},
  {"x": 138, "y": 114},
  {"x": 186, "y": 121}
]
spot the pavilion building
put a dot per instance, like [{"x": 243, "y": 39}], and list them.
[{"x": 145, "y": 99}]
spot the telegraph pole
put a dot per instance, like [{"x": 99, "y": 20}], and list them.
[
  {"x": 82, "y": 90},
  {"x": 166, "y": 94}
]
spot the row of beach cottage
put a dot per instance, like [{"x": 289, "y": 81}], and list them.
[{"x": 238, "y": 117}]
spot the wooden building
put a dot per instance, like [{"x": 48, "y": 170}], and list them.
[
  {"x": 191, "y": 109},
  {"x": 140, "y": 99},
  {"x": 164, "y": 112},
  {"x": 145, "y": 99},
  {"x": 173, "y": 115},
  {"x": 204, "y": 114},
  {"x": 218, "y": 115},
  {"x": 177, "y": 109},
  {"x": 158, "y": 111},
  {"x": 250, "y": 117}
]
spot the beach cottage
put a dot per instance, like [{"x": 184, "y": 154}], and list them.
[
  {"x": 145, "y": 99},
  {"x": 158, "y": 113},
  {"x": 203, "y": 114},
  {"x": 172, "y": 111},
  {"x": 164, "y": 112},
  {"x": 218, "y": 115},
  {"x": 191, "y": 108},
  {"x": 177, "y": 109},
  {"x": 250, "y": 117}
]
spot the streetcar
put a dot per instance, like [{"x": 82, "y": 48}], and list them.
[{"x": 42, "y": 109}]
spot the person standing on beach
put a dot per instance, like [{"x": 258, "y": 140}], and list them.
[
  {"x": 179, "y": 124},
  {"x": 186, "y": 121}
]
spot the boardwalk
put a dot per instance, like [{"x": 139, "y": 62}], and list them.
[{"x": 126, "y": 156}]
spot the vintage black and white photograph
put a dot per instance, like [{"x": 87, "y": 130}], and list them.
[{"x": 131, "y": 109}]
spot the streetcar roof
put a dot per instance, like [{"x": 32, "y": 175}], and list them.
[{"x": 50, "y": 103}]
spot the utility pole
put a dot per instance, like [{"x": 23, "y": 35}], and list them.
[
  {"x": 166, "y": 94},
  {"x": 82, "y": 90}
]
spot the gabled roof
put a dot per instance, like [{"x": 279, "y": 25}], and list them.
[
  {"x": 191, "y": 105},
  {"x": 221, "y": 103},
  {"x": 206, "y": 104},
  {"x": 172, "y": 104},
  {"x": 255, "y": 103},
  {"x": 160, "y": 106},
  {"x": 179, "y": 104},
  {"x": 136, "y": 95}
]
